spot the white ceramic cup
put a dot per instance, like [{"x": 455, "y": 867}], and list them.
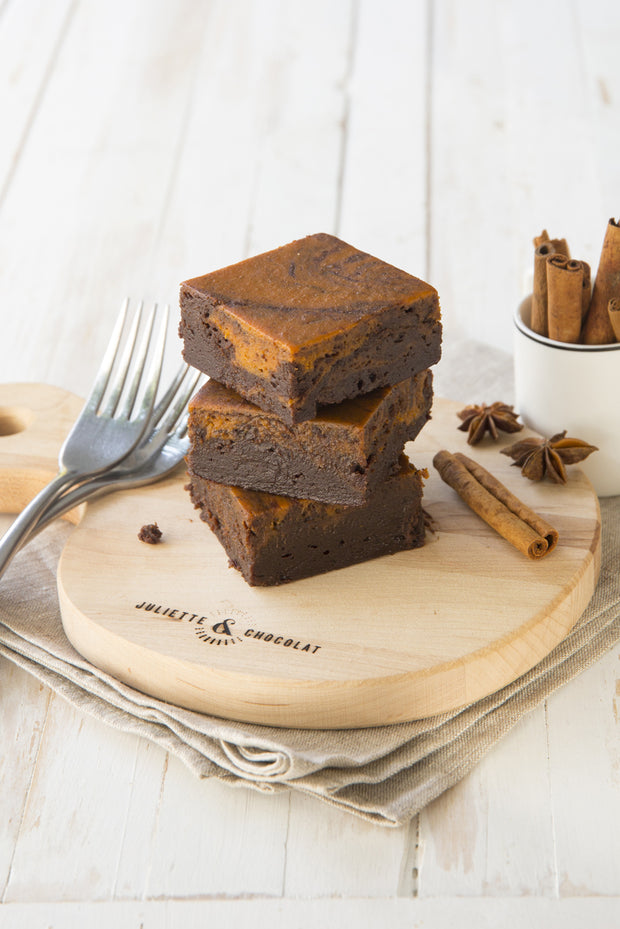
[{"x": 574, "y": 387}]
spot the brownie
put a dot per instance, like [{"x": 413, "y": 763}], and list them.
[
  {"x": 338, "y": 457},
  {"x": 311, "y": 323},
  {"x": 273, "y": 539}
]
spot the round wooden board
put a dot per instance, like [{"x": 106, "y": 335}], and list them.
[{"x": 398, "y": 638}]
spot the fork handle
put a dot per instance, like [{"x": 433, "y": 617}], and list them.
[{"x": 19, "y": 531}]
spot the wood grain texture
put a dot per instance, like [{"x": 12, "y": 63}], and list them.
[
  {"x": 33, "y": 423},
  {"x": 85, "y": 874},
  {"x": 492, "y": 830},
  {"x": 31, "y": 38},
  {"x": 25, "y": 707}
]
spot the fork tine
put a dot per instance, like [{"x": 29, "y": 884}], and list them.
[
  {"x": 120, "y": 376},
  {"x": 164, "y": 404},
  {"x": 145, "y": 406},
  {"x": 139, "y": 363},
  {"x": 181, "y": 430},
  {"x": 177, "y": 415},
  {"x": 107, "y": 363},
  {"x": 182, "y": 400}
]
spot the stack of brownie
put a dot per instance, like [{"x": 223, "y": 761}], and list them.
[{"x": 318, "y": 357}]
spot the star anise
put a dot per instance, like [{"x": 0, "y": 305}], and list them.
[
  {"x": 540, "y": 457},
  {"x": 480, "y": 418}
]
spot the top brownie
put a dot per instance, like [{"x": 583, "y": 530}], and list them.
[{"x": 311, "y": 323}]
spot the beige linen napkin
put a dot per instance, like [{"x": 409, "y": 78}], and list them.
[{"x": 385, "y": 774}]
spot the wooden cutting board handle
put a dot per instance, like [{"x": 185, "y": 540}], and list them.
[{"x": 34, "y": 421}]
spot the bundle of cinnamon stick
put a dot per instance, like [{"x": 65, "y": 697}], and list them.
[
  {"x": 525, "y": 529},
  {"x": 565, "y": 307}
]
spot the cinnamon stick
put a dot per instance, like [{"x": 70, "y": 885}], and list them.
[
  {"x": 597, "y": 329},
  {"x": 586, "y": 289},
  {"x": 560, "y": 246},
  {"x": 496, "y": 505},
  {"x": 538, "y": 320},
  {"x": 564, "y": 298},
  {"x": 613, "y": 308},
  {"x": 543, "y": 237}
]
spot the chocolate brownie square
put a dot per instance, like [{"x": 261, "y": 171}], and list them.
[
  {"x": 311, "y": 323},
  {"x": 273, "y": 539},
  {"x": 338, "y": 457}
]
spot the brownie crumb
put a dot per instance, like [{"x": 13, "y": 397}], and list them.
[{"x": 150, "y": 533}]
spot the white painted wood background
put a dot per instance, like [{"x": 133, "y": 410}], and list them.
[{"x": 145, "y": 141}]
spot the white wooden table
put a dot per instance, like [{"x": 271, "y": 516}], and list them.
[{"x": 146, "y": 141}]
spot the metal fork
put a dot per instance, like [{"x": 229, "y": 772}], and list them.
[
  {"x": 155, "y": 457},
  {"x": 161, "y": 464},
  {"x": 111, "y": 423}
]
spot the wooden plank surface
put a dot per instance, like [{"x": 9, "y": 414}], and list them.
[
  {"x": 144, "y": 142},
  {"x": 307, "y": 914}
]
